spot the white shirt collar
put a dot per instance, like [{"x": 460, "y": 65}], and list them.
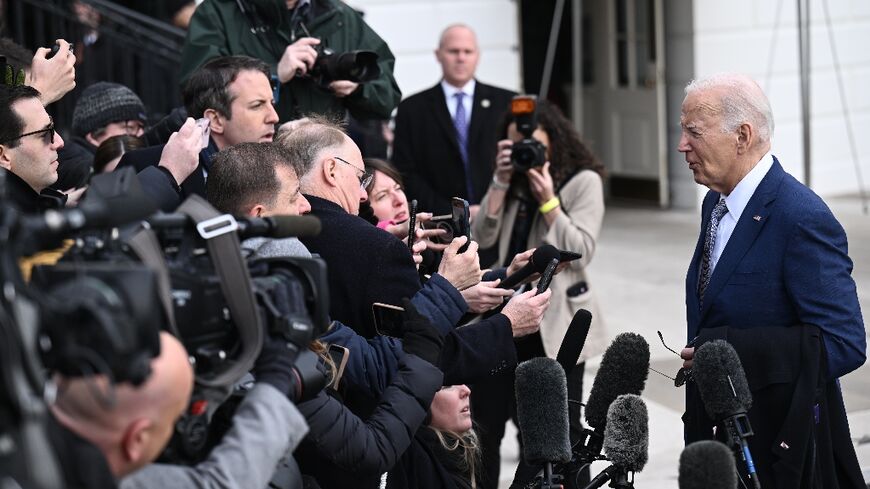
[
  {"x": 450, "y": 90},
  {"x": 739, "y": 197}
]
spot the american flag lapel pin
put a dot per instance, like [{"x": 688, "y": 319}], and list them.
[{"x": 757, "y": 218}]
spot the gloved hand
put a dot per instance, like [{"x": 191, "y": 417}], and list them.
[
  {"x": 420, "y": 337},
  {"x": 275, "y": 366}
]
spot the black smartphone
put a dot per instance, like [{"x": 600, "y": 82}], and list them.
[
  {"x": 547, "y": 276},
  {"x": 569, "y": 256},
  {"x": 412, "y": 223},
  {"x": 56, "y": 48},
  {"x": 388, "y": 319},
  {"x": 461, "y": 221}
]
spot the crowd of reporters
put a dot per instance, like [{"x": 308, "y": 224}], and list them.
[{"x": 237, "y": 295}]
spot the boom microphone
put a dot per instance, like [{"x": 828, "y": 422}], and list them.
[
  {"x": 725, "y": 393},
  {"x": 542, "y": 412},
  {"x": 575, "y": 338},
  {"x": 626, "y": 441},
  {"x": 707, "y": 464},
  {"x": 541, "y": 257},
  {"x": 247, "y": 227}
]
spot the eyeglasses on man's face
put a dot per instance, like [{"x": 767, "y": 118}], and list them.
[
  {"x": 364, "y": 179},
  {"x": 47, "y": 134}
]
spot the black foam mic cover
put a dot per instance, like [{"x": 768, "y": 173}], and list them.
[
  {"x": 623, "y": 370},
  {"x": 626, "y": 437},
  {"x": 707, "y": 464},
  {"x": 542, "y": 411},
  {"x": 542, "y": 257},
  {"x": 575, "y": 338},
  {"x": 721, "y": 380}
]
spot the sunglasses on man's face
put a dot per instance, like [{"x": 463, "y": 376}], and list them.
[{"x": 47, "y": 134}]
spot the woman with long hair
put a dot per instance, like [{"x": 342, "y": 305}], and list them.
[
  {"x": 560, "y": 203},
  {"x": 445, "y": 454}
]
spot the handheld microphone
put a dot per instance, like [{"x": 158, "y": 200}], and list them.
[
  {"x": 542, "y": 257},
  {"x": 626, "y": 442},
  {"x": 542, "y": 412},
  {"x": 725, "y": 393},
  {"x": 707, "y": 464},
  {"x": 575, "y": 338}
]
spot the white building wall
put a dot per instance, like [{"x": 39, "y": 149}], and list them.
[
  {"x": 737, "y": 35},
  {"x": 412, "y": 29}
]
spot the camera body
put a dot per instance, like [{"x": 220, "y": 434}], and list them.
[{"x": 528, "y": 153}]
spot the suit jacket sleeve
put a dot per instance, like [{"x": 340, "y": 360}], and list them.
[
  {"x": 404, "y": 144},
  {"x": 157, "y": 185},
  {"x": 819, "y": 282},
  {"x": 473, "y": 353},
  {"x": 266, "y": 426}
]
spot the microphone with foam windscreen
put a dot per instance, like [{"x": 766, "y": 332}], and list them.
[
  {"x": 624, "y": 369},
  {"x": 542, "y": 412},
  {"x": 707, "y": 464},
  {"x": 723, "y": 388},
  {"x": 575, "y": 338},
  {"x": 626, "y": 442},
  {"x": 541, "y": 257}
]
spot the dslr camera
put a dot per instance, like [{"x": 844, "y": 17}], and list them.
[{"x": 528, "y": 153}]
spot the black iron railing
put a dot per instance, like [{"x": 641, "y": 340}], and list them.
[{"x": 123, "y": 46}]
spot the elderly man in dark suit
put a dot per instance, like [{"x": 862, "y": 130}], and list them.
[
  {"x": 445, "y": 137},
  {"x": 772, "y": 276}
]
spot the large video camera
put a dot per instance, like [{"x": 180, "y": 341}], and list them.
[
  {"x": 528, "y": 153},
  {"x": 220, "y": 305}
]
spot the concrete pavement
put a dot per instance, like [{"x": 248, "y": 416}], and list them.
[{"x": 639, "y": 272}]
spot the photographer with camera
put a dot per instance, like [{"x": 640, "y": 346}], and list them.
[
  {"x": 309, "y": 45},
  {"x": 547, "y": 189}
]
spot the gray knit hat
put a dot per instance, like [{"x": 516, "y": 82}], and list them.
[{"x": 104, "y": 103}]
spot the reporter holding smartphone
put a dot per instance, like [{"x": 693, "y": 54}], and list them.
[{"x": 560, "y": 203}]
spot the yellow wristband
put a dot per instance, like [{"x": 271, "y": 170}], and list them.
[{"x": 550, "y": 205}]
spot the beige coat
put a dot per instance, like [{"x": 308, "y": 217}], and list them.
[{"x": 575, "y": 229}]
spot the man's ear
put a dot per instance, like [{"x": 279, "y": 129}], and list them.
[
  {"x": 134, "y": 443},
  {"x": 91, "y": 140},
  {"x": 256, "y": 211},
  {"x": 5, "y": 157},
  {"x": 745, "y": 138},
  {"x": 217, "y": 122},
  {"x": 329, "y": 172}
]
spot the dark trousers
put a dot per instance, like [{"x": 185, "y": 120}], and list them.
[{"x": 494, "y": 402}]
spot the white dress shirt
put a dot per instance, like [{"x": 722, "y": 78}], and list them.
[
  {"x": 736, "y": 202},
  {"x": 468, "y": 101}
]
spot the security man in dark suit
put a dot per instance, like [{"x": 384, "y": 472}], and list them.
[{"x": 445, "y": 137}]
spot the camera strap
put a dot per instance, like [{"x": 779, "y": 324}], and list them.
[
  {"x": 226, "y": 255},
  {"x": 145, "y": 245}
]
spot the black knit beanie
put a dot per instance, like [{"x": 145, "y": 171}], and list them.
[{"x": 104, "y": 103}]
